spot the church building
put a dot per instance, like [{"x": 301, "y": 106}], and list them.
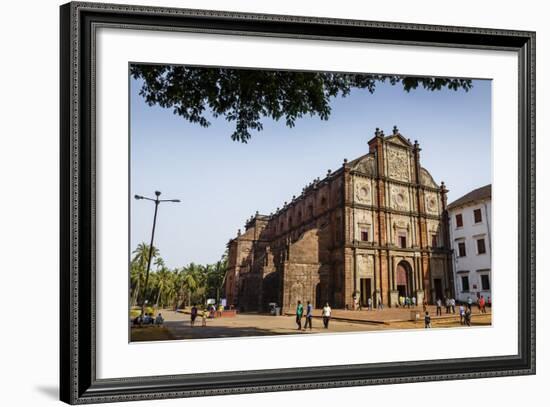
[{"x": 376, "y": 228}]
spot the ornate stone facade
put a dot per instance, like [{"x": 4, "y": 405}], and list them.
[{"x": 376, "y": 227}]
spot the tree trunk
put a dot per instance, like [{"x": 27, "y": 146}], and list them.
[
  {"x": 135, "y": 294},
  {"x": 158, "y": 298}
]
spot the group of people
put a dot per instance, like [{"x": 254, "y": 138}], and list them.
[
  {"x": 450, "y": 306},
  {"x": 407, "y": 302},
  {"x": 148, "y": 319},
  {"x": 206, "y": 312},
  {"x": 370, "y": 303},
  {"x": 464, "y": 310},
  {"x": 326, "y": 313}
]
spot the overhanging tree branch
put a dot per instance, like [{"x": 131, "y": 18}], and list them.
[{"x": 245, "y": 96}]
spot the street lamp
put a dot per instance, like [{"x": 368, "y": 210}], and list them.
[{"x": 157, "y": 201}]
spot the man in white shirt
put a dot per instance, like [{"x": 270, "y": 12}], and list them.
[{"x": 326, "y": 315}]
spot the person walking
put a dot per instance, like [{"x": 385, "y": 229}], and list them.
[
  {"x": 369, "y": 303},
  {"x": 461, "y": 313},
  {"x": 299, "y": 313},
  {"x": 309, "y": 316},
  {"x": 326, "y": 315},
  {"x": 447, "y": 305},
  {"x": 482, "y": 305},
  {"x": 380, "y": 303},
  {"x": 438, "y": 309},
  {"x": 194, "y": 312},
  {"x": 413, "y": 302},
  {"x": 204, "y": 316},
  {"x": 425, "y": 304},
  {"x": 427, "y": 320},
  {"x": 468, "y": 317},
  {"x": 470, "y": 303},
  {"x": 453, "y": 305}
]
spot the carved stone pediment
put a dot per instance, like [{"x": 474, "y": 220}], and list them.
[{"x": 399, "y": 140}]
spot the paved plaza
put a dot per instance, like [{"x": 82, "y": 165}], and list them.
[{"x": 177, "y": 325}]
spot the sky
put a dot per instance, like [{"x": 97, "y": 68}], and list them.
[{"x": 221, "y": 182}]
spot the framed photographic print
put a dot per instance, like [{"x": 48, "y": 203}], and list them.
[{"x": 255, "y": 203}]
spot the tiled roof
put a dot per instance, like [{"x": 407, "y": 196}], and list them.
[{"x": 472, "y": 196}]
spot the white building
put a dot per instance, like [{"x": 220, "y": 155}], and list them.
[{"x": 470, "y": 239}]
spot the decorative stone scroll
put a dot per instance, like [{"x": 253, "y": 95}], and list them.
[{"x": 366, "y": 166}]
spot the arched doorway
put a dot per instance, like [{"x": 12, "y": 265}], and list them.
[{"x": 403, "y": 279}]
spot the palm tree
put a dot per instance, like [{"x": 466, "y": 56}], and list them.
[
  {"x": 162, "y": 282},
  {"x": 138, "y": 268},
  {"x": 220, "y": 268},
  {"x": 191, "y": 280},
  {"x": 172, "y": 288}
]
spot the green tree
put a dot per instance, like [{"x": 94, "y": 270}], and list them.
[
  {"x": 138, "y": 269},
  {"x": 162, "y": 283},
  {"x": 245, "y": 96},
  {"x": 172, "y": 289},
  {"x": 215, "y": 274},
  {"x": 191, "y": 280}
]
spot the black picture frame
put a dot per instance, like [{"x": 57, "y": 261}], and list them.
[{"x": 78, "y": 382}]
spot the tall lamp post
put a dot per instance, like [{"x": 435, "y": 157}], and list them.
[{"x": 157, "y": 201}]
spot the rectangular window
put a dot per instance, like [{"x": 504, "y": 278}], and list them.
[
  {"x": 485, "y": 286},
  {"x": 477, "y": 215},
  {"x": 481, "y": 246},
  {"x": 458, "y": 218},
  {"x": 462, "y": 249},
  {"x": 402, "y": 241},
  {"x": 434, "y": 240},
  {"x": 364, "y": 235},
  {"x": 465, "y": 283}
]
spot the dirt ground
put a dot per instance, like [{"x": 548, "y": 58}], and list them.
[{"x": 178, "y": 325}]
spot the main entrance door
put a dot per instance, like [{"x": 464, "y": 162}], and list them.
[
  {"x": 438, "y": 289},
  {"x": 403, "y": 279}
]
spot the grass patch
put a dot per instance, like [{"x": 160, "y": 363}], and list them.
[{"x": 150, "y": 333}]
